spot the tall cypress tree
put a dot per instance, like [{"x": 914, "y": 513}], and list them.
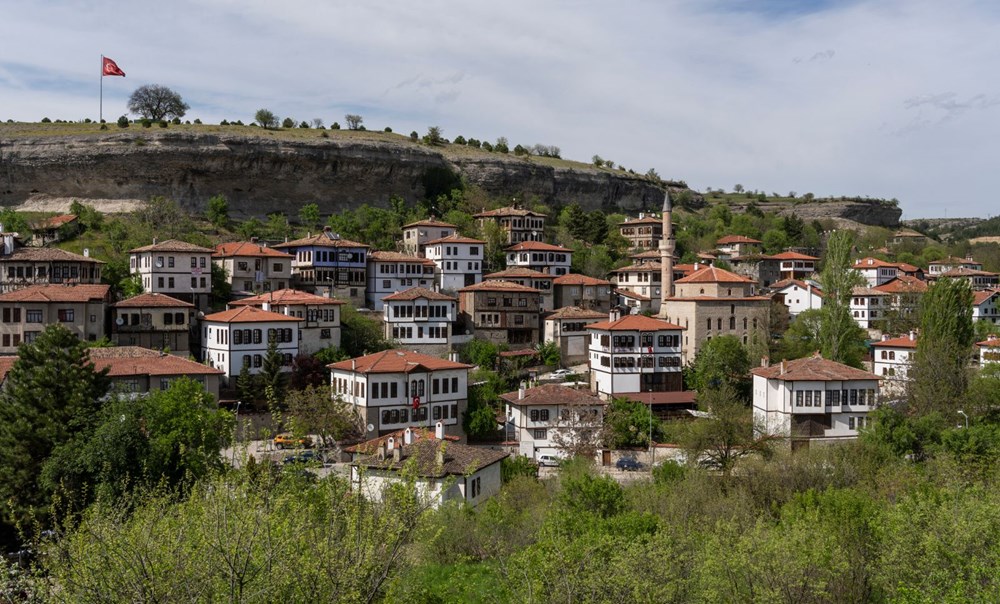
[{"x": 939, "y": 376}]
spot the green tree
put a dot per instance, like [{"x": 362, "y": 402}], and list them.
[
  {"x": 481, "y": 353},
  {"x": 433, "y": 136},
  {"x": 802, "y": 337},
  {"x": 218, "y": 211},
  {"x": 721, "y": 361},
  {"x": 775, "y": 241},
  {"x": 312, "y": 411},
  {"x": 840, "y": 337},
  {"x": 361, "y": 335},
  {"x": 90, "y": 218},
  {"x": 288, "y": 123},
  {"x": 628, "y": 423},
  {"x": 309, "y": 215},
  {"x": 156, "y": 102},
  {"x": 250, "y": 228},
  {"x": 354, "y": 121},
  {"x": 272, "y": 376},
  {"x": 266, "y": 119},
  {"x": 221, "y": 288},
  {"x": 51, "y": 395},
  {"x": 277, "y": 226},
  {"x": 548, "y": 353},
  {"x": 938, "y": 376},
  {"x": 247, "y": 385},
  {"x": 728, "y": 433}
]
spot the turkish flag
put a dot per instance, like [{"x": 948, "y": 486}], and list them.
[
  {"x": 110, "y": 68},
  {"x": 416, "y": 402}
]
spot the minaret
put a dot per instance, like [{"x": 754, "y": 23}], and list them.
[{"x": 667, "y": 246}]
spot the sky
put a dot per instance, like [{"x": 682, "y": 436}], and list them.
[{"x": 881, "y": 98}]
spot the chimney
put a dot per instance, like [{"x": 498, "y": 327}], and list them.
[
  {"x": 266, "y": 306},
  {"x": 154, "y": 240},
  {"x": 913, "y": 335},
  {"x": 390, "y": 443},
  {"x": 765, "y": 361},
  {"x": 439, "y": 431},
  {"x": 86, "y": 252},
  {"x": 407, "y": 437},
  {"x": 520, "y": 392},
  {"x": 397, "y": 455},
  {"x": 380, "y": 453},
  {"x": 784, "y": 367},
  {"x": 439, "y": 455},
  {"x": 614, "y": 315},
  {"x": 253, "y": 240},
  {"x": 885, "y": 337},
  {"x": 641, "y": 215}
]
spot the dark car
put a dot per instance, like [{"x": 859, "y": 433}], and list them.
[
  {"x": 302, "y": 457},
  {"x": 628, "y": 464}
]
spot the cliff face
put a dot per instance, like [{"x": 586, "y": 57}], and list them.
[
  {"x": 260, "y": 175},
  {"x": 870, "y": 213}
]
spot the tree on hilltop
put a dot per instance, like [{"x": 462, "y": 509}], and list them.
[
  {"x": 157, "y": 102},
  {"x": 353, "y": 121},
  {"x": 266, "y": 119}
]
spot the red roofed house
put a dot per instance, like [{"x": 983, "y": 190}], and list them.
[
  {"x": 985, "y": 306},
  {"x": 179, "y": 269},
  {"x": 634, "y": 354},
  {"x": 936, "y": 267},
  {"x": 459, "y": 261},
  {"x": 812, "y": 399},
  {"x": 567, "y": 327},
  {"x": 53, "y": 229},
  {"x": 252, "y": 268},
  {"x": 643, "y": 233},
  {"x": 798, "y": 296},
  {"x": 416, "y": 235},
  {"x": 978, "y": 280},
  {"x": 24, "y": 313},
  {"x": 518, "y": 223},
  {"x": 989, "y": 350},
  {"x": 421, "y": 317},
  {"x": 582, "y": 291},
  {"x": 712, "y": 302},
  {"x": 24, "y": 266},
  {"x": 390, "y": 272},
  {"x": 154, "y": 321},
  {"x": 327, "y": 264},
  {"x": 875, "y": 271},
  {"x": 542, "y": 257},
  {"x": 737, "y": 245},
  {"x": 868, "y": 306},
  {"x": 502, "y": 312},
  {"x": 529, "y": 278},
  {"x": 319, "y": 325},
  {"x": 138, "y": 370},
  {"x": 552, "y": 419},
  {"x": 891, "y": 359},
  {"x": 638, "y": 286},
  {"x": 786, "y": 265},
  {"x": 238, "y": 337},
  {"x": 396, "y": 389}
]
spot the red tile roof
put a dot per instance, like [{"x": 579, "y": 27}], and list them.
[
  {"x": 635, "y": 323},
  {"x": 961, "y": 271},
  {"x": 248, "y": 314},
  {"x": 457, "y": 459},
  {"x": 537, "y": 246},
  {"x": 322, "y": 239},
  {"x": 978, "y": 297},
  {"x": 631, "y": 294},
  {"x": 287, "y": 297},
  {"x": 46, "y": 254},
  {"x": 990, "y": 342},
  {"x": 643, "y": 220},
  {"x": 575, "y": 312},
  {"x": 812, "y": 369},
  {"x": 171, "y": 245},
  {"x": 396, "y": 361},
  {"x": 247, "y": 249},
  {"x": 398, "y": 257},
  {"x": 714, "y": 274},
  {"x": 790, "y": 256},
  {"x": 900, "y": 342},
  {"x": 497, "y": 285},
  {"x": 675, "y": 397},
  {"x": 369, "y": 447},
  {"x": 903, "y": 284},
  {"x": 553, "y": 394},
  {"x": 870, "y": 263},
  {"x": 133, "y": 360},
  {"x": 58, "y": 293},
  {"x": 415, "y": 293},
  {"x": 801, "y": 284},
  {"x": 54, "y": 222},
  {"x": 456, "y": 238},
  {"x": 430, "y": 222},
  {"x": 519, "y": 272},
  {"x": 645, "y": 267},
  {"x": 508, "y": 211},
  {"x": 153, "y": 300},
  {"x": 729, "y": 239},
  {"x": 575, "y": 279}
]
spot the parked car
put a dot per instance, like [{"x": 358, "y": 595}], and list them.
[
  {"x": 561, "y": 373},
  {"x": 300, "y": 457},
  {"x": 628, "y": 464},
  {"x": 287, "y": 440},
  {"x": 548, "y": 460}
]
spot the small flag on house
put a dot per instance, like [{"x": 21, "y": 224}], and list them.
[{"x": 110, "y": 68}]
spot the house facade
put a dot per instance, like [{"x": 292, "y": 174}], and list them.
[
  {"x": 252, "y": 268},
  {"x": 936, "y": 267},
  {"x": 876, "y": 272},
  {"x": 319, "y": 316},
  {"x": 643, "y": 233},
  {"x": 390, "y": 272},
  {"x": 891, "y": 360},
  {"x": 459, "y": 261},
  {"x": 136, "y": 371},
  {"x": 26, "y": 312},
  {"x": 417, "y": 235},
  {"x": 567, "y": 327},
  {"x": 798, "y": 296},
  {"x": 153, "y": 321},
  {"x": 642, "y": 280},
  {"x": 868, "y": 306},
  {"x": 529, "y": 278},
  {"x": 635, "y": 354},
  {"x": 178, "y": 269},
  {"x": 986, "y": 306},
  {"x": 327, "y": 264},
  {"x": 238, "y": 337},
  {"x": 502, "y": 312},
  {"x": 518, "y": 223},
  {"x": 27, "y": 266},
  {"x": 583, "y": 292},
  {"x": 978, "y": 280},
  {"x": 989, "y": 350},
  {"x": 552, "y": 419},
  {"x": 732, "y": 246},
  {"x": 542, "y": 257},
  {"x": 786, "y": 265},
  {"x": 396, "y": 389},
  {"x": 420, "y": 317}
]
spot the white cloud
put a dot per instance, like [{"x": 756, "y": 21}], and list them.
[{"x": 890, "y": 98}]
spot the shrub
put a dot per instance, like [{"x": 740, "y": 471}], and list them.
[
  {"x": 123, "y": 122},
  {"x": 163, "y": 123},
  {"x": 387, "y": 129},
  {"x": 197, "y": 121},
  {"x": 460, "y": 140},
  {"x": 146, "y": 122},
  {"x": 87, "y": 120},
  {"x": 224, "y": 123},
  {"x": 288, "y": 123},
  {"x": 304, "y": 125},
  {"x": 46, "y": 120},
  {"x": 414, "y": 136},
  {"x": 175, "y": 121},
  {"x": 104, "y": 126},
  {"x": 335, "y": 126}
]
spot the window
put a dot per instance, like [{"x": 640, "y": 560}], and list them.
[
  {"x": 178, "y": 318},
  {"x": 194, "y": 262},
  {"x": 66, "y": 315},
  {"x": 170, "y": 262},
  {"x": 32, "y": 316},
  {"x": 799, "y": 395},
  {"x": 539, "y": 434}
]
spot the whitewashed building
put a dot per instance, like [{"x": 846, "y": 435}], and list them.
[
  {"x": 542, "y": 257},
  {"x": 812, "y": 399},
  {"x": 459, "y": 261},
  {"x": 567, "y": 327},
  {"x": 253, "y": 268},
  {"x": 390, "y": 272},
  {"x": 985, "y": 306},
  {"x": 875, "y": 271},
  {"x": 635, "y": 354},
  {"x": 798, "y": 296},
  {"x": 552, "y": 419},
  {"x": 419, "y": 317},
  {"x": 396, "y": 389},
  {"x": 868, "y": 306},
  {"x": 417, "y": 235},
  {"x": 319, "y": 325},
  {"x": 178, "y": 269},
  {"x": 891, "y": 360},
  {"x": 238, "y": 337},
  {"x": 989, "y": 350}
]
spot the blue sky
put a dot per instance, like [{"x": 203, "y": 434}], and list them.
[{"x": 881, "y": 98}]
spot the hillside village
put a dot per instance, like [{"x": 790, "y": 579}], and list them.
[{"x": 456, "y": 350}]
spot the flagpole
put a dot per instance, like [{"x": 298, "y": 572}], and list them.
[{"x": 100, "y": 115}]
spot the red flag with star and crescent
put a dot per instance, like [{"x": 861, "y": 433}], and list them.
[{"x": 110, "y": 68}]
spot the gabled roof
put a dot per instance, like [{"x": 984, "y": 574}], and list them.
[
  {"x": 248, "y": 314},
  {"x": 57, "y": 293},
  {"x": 247, "y": 249},
  {"x": 153, "y": 300},
  {"x": 456, "y": 238},
  {"x": 908, "y": 233},
  {"x": 864, "y": 290},
  {"x": 907, "y": 341},
  {"x": 553, "y": 394},
  {"x": 46, "y": 254},
  {"x": 714, "y": 274},
  {"x": 645, "y": 267},
  {"x": 519, "y": 272},
  {"x": 537, "y": 246},
  {"x": 508, "y": 211},
  {"x": 978, "y": 297},
  {"x": 287, "y": 297},
  {"x": 497, "y": 285},
  {"x": 53, "y": 222},
  {"x": 786, "y": 283},
  {"x": 961, "y": 271},
  {"x": 575, "y": 312},
  {"x": 415, "y": 293},
  {"x": 133, "y": 360},
  {"x": 872, "y": 263},
  {"x": 643, "y": 220},
  {"x": 631, "y": 294},
  {"x": 324, "y": 238},
  {"x": 575, "y": 279},
  {"x": 953, "y": 261},
  {"x": 396, "y": 361},
  {"x": 990, "y": 342},
  {"x": 650, "y": 253},
  {"x": 430, "y": 222},
  {"x": 790, "y": 256},
  {"x": 635, "y": 323},
  {"x": 422, "y": 455},
  {"x": 812, "y": 369},
  {"x": 370, "y": 447},
  {"x": 908, "y": 268},
  {"x": 731, "y": 239},
  {"x": 902, "y": 284},
  {"x": 171, "y": 245},
  {"x": 398, "y": 257}
]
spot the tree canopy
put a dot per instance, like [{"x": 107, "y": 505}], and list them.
[{"x": 157, "y": 102}]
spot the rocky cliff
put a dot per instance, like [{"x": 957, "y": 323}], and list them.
[{"x": 260, "y": 175}]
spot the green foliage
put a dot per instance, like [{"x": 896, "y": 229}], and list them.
[
  {"x": 549, "y": 353},
  {"x": 311, "y": 411},
  {"x": 721, "y": 361},
  {"x": 50, "y": 396},
  {"x": 90, "y": 219},
  {"x": 309, "y": 215},
  {"x": 938, "y": 376},
  {"x": 247, "y": 385},
  {"x": 288, "y": 123},
  {"x": 627, "y": 424},
  {"x": 218, "y": 211},
  {"x": 277, "y": 226},
  {"x": 840, "y": 337},
  {"x": 481, "y": 353},
  {"x": 271, "y": 376},
  {"x": 517, "y": 466},
  {"x": 378, "y": 227},
  {"x": 250, "y": 228},
  {"x": 157, "y": 102},
  {"x": 480, "y": 420},
  {"x": 221, "y": 288},
  {"x": 582, "y": 492},
  {"x": 775, "y": 241},
  {"x": 122, "y": 122},
  {"x": 802, "y": 337},
  {"x": 727, "y": 435},
  {"x": 361, "y": 335},
  {"x": 13, "y": 222}
]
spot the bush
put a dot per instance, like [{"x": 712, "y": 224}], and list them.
[
  {"x": 146, "y": 122},
  {"x": 123, "y": 122},
  {"x": 87, "y": 120},
  {"x": 460, "y": 140},
  {"x": 197, "y": 121},
  {"x": 414, "y": 136},
  {"x": 288, "y": 123},
  {"x": 224, "y": 123},
  {"x": 387, "y": 129},
  {"x": 335, "y": 126},
  {"x": 304, "y": 125},
  {"x": 163, "y": 123},
  {"x": 46, "y": 120},
  {"x": 175, "y": 121},
  {"x": 518, "y": 465}
]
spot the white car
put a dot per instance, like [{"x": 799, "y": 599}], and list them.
[
  {"x": 548, "y": 460},
  {"x": 561, "y": 373}
]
